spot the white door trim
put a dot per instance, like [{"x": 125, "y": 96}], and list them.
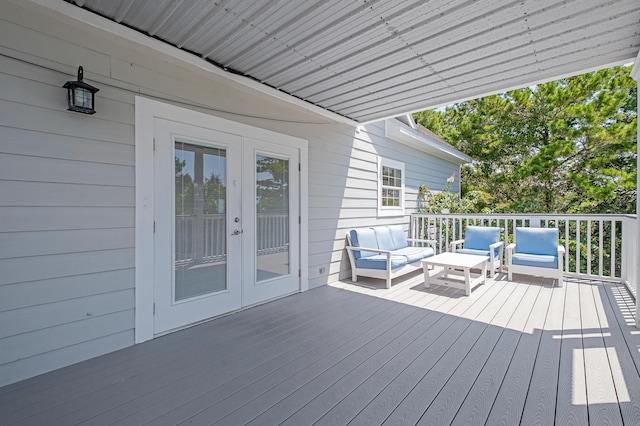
[{"x": 146, "y": 111}]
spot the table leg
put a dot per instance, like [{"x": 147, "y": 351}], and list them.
[
  {"x": 467, "y": 281},
  {"x": 484, "y": 272},
  {"x": 425, "y": 271}
]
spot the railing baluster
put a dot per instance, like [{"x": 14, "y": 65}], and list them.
[
  {"x": 578, "y": 269},
  {"x": 613, "y": 248},
  {"x": 566, "y": 245},
  {"x": 600, "y": 247},
  {"x": 588, "y": 247}
]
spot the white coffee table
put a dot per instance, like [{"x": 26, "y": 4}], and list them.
[{"x": 449, "y": 268}]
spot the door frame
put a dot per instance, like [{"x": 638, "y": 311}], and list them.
[{"x": 146, "y": 111}]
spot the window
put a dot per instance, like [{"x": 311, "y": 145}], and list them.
[{"x": 390, "y": 187}]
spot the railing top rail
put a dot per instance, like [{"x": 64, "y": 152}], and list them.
[{"x": 529, "y": 215}]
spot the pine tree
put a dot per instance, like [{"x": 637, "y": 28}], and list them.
[{"x": 567, "y": 146}]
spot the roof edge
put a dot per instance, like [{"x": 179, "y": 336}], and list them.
[
  {"x": 635, "y": 71},
  {"x": 400, "y": 132},
  {"x": 80, "y": 18}
]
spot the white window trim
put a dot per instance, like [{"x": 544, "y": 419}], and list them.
[{"x": 386, "y": 210}]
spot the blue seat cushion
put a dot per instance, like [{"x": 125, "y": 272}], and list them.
[
  {"x": 486, "y": 253},
  {"x": 480, "y": 237},
  {"x": 398, "y": 237},
  {"x": 363, "y": 237},
  {"x": 542, "y": 241},
  {"x": 414, "y": 254},
  {"x": 537, "y": 260},
  {"x": 379, "y": 261},
  {"x": 383, "y": 235}
]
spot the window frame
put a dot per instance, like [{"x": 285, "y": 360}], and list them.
[{"x": 391, "y": 210}]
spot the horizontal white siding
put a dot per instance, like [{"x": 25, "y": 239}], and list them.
[
  {"x": 67, "y": 211},
  {"x": 343, "y": 188},
  {"x": 67, "y": 188}
]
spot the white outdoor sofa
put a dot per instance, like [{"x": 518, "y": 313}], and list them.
[{"x": 385, "y": 252}]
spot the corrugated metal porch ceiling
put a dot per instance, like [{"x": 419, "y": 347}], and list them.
[{"x": 375, "y": 59}]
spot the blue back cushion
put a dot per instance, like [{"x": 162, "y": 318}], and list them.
[
  {"x": 480, "y": 237},
  {"x": 398, "y": 236},
  {"x": 383, "y": 235},
  {"x": 537, "y": 241},
  {"x": 363, "y": 237}
]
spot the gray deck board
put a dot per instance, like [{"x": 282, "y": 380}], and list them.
[
  {"x": 603, "y": 403},
  {"x": 508, "y": 404},
  {"x": 229, "y": 328},
  {"x": 520, "y": 352},
  {"x": 196, "y": 368},
  {"x": 477, "y": 404},
  {"x": 624, "y": 370},
  {"x": 540, "y": 401},
  {"x": 447, "y": 402},
  {"x": 572, "y": 390}
]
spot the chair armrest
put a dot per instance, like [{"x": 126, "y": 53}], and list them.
[
  {"x": 375, "y": 250},
  {"x": 561, "y": 250},
  {"x": 453, "y": 244},
  {"x": 494, "y": 246},
  {"x": 432, "y": 243},
  {"x": 511, "y": 247}
]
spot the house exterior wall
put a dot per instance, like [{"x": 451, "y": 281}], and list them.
[{"x": 67, "y": 186}]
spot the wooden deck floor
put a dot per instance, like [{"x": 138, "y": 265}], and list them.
[{"x": 511, "y": 353}]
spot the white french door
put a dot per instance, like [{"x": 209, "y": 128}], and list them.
[
  {"x": 226, "y": 223},
  {"x": 197, "y": 262},
  {"x": 270, "y": 204}
]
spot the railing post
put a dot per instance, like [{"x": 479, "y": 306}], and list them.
[
  {"x": 635, "y": 74},
  {"x": 624, "y": 260}
]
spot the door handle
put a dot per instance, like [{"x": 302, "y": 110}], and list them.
[{"x": 236, "y": 232}]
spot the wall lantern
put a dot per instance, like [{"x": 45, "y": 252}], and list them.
[{"x": 80, "y": 95}]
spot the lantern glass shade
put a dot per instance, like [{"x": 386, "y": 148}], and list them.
[
  {"x": 80, "y": 95},
  {"x": 83, "y": 98}
]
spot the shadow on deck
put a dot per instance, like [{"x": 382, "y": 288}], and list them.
[{"x": 519, "y": 352}]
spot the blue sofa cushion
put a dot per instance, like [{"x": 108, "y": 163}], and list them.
[
  {"x": 542, "y": 241},
  {"x": 398, "y": 236},
  {"x": 538, "y": 260},
  {"x": 383, "y": 235},
  {"x": 414, "y": 254},
  {"x": 481, "y": 237},
  {"x": 379, "y": 261},
  {"x": 363, "y": 237}
]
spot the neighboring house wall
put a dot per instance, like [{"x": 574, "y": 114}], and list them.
[{"x": 67, "y": 187}]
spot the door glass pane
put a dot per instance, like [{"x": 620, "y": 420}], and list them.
[
  {"x": 272, "y": 216},
  {"x": 200, "y": 220}
]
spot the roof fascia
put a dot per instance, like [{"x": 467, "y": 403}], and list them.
[
  {"x": 81, "y": 18},
  {"x": 400, "y": 132},
  {"x": 635, "y": 71}
]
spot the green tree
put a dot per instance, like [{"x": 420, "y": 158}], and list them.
[
  {"x": 272, "y": 185},
  {"x": 184, "y": 188},
  {"x": 446, "y": 201},
  {"x": 564, "y": 146},
  {"x": 215, "y": 194}
]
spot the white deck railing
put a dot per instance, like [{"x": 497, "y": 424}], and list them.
[
  {"x": 601, "y": 247},
  {"x": 207, "y": 241}
]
